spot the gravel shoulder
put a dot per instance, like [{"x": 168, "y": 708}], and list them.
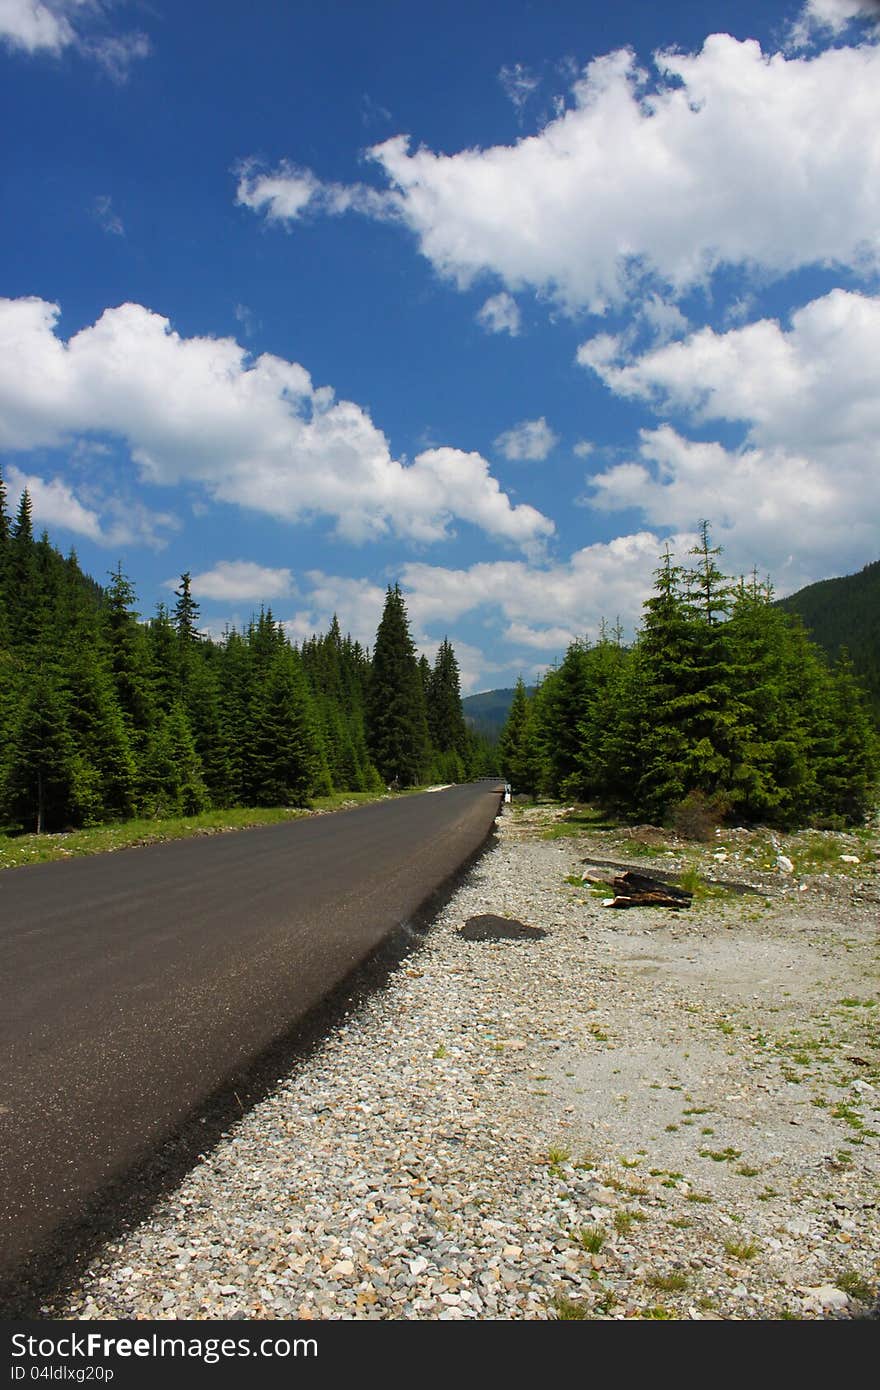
[{"x": 644, "y": 1113}]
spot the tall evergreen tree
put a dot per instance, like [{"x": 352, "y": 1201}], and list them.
[
  {"x": 518, "y": 750},
  {"x": 445, "y": 717},
  {"x": 397, "y": 726}
]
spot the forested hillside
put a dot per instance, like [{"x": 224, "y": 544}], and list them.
[
  {"x": 487, "y": 712},
  {"x": 722, "y": 703},
  {"x": 845, "y": 613},
  {"x": 104, "y": 716}
]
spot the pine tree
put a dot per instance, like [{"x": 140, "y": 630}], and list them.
[
  {"x": 397, "y": 726},
  {"x": 45, "y": 784},
  {"x": 284, "y": 759},
  {"x": 445, "y": 717},
  {"x": 517, "y": 747}
]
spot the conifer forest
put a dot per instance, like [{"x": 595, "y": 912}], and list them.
[
  {"x": 722, "y": 706},
  {"x": 721, "y": 701},
  {"x": 104, "y": 716}
]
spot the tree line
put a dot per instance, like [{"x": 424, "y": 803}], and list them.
[
  {"x": 722, "y": 701},
  {"x": 104, "y": 716}
]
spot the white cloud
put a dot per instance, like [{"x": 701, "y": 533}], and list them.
[
  {"x": 802, "y": 493},
  {"x": 500, "y": 314},
  {"x": 519, "y": 83},
  {"x": 552, "y": 639},
  {"x": 32, "y": 25},
  {"x": 530, "y": 440},
  {"x": 54, "y": 504},
  {"x": 51, "y": 26},
  {"x": 288, "y": 193},
  {"x": 583, "y": 449},
  {"x": 606, "y": 579},
  {"x": 666, "y": 320},
  {"x": 233, "y": 580},
  {"x": 116, "y": 53},
  {"x": 830, "y": 16},
  {"x": 813, "y": 388},
  {"x": 108, "y": 521},
  {"x": 255, "y": 433},
  {"x": 731, "y": 157}
]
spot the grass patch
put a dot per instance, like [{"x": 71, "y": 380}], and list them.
[
  {"x": 727, "y": 1155},
  {"x": 624, "y": 1221},
  {"x": 555, "y": 1159},
  {"x": 741, "y": 1249},
  {"x": 657, "y": 1313},
  {"x": 854, "y": 1286},
  {"x": 17, "y": 850},
  {"x": 674, "y": 1282},
  {"x": 569, "y": 1309},
  {"x": 592, "y": 1238}
]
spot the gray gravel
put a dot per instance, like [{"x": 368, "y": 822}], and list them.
[{"x": 643, "y": 1114}]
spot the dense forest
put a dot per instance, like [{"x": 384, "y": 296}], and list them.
[
  {"x": 845, "y": 613},
  {"x": 104, "y": 716},
  {"x": 722, "y": 706}
]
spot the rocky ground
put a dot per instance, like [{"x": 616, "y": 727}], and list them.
[{"x": 642, "y": 1113}]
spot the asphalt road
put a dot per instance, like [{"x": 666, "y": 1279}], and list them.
[{"x": 135, "y": 983}]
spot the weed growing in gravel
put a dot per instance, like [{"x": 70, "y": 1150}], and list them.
[
  {"x": 727, "y": 1155},
  {"x": 681, "y": 1223},
  {"x": 676, "y": 1281},
  {"x": 592, "y": 1238},
  {"x": 568, "y": 1309},
  {"x": 440, "y": 1051},
  {"x": 555, "y": 1159},
  {"x": 657, "y": 1313},
  {"x": 624, "y": 1220},
  {"x": 740, "y": 1249},
  {"x": 746, "y": 1172},
  {"x": 849, "y": 1114},
  {"x": 853, "y": 1285},
  {"x": 698, "y": 1197}
]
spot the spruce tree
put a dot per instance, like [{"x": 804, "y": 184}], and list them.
[
  {"x": 397, "y": 726},
  {"x": 518, "y": 751},
  {"x": 445, "y": 717}
]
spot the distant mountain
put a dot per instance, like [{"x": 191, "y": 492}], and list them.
[
  {"x": 487, "y": 713},
  {"x": 845, "y": 613}
]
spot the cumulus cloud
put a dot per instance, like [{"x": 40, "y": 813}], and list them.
[
  {"x": 106, "y": 521},
  {"x": 530, "y": 440},
  {"x": 255, "y": 433},
  {"x": 814, "y": 386},
  {"x": 802, "y": 492},
  {"x": 725, "y": 157},
  {"x": 500, "y": 314},
  {"x": 823, "y": 17},
  {"x": 244, "y": 580},
  {"x": 31, "y": 25},
  {"x": 52, "y": 26},
  {"x": 286, "y": 194},
  {"x": 606, "y": 579}
]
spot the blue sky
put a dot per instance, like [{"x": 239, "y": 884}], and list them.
[{"x": 490, "y": 299}]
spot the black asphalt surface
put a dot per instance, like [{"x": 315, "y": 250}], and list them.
[{"x": 135, "y": 983}]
